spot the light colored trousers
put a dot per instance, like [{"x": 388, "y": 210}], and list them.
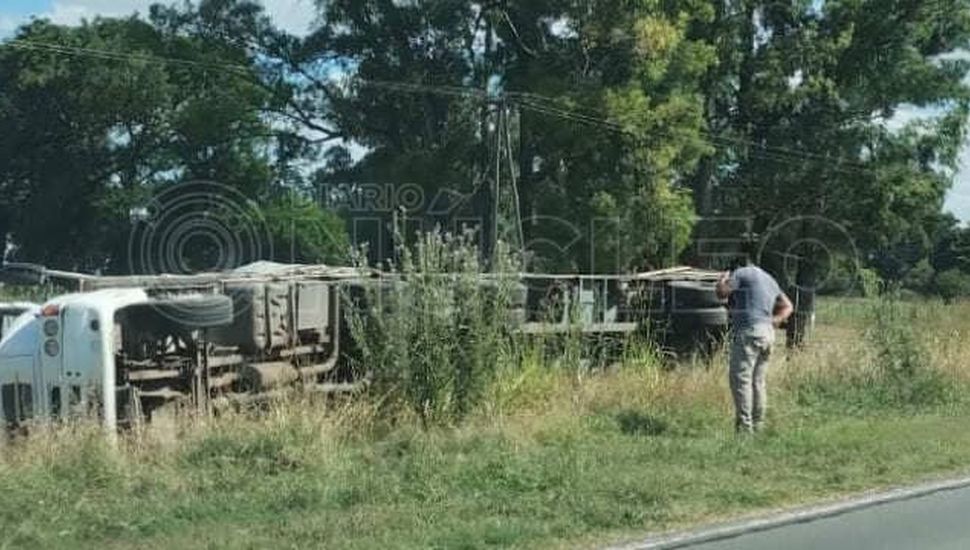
[{"x": 750, "y": 355}]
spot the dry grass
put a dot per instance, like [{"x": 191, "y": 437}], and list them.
[{"x": 554, "y": 457}]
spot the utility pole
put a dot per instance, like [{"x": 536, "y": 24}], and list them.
[
  {"x": 503, "y": 216},
  {"x": 496, "y": 212}
]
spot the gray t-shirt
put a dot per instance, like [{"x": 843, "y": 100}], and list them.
[{"x": 754, "y": 294}]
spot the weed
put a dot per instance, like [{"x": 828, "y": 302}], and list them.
[
  {"x": 435, "y": 332},
  {"x": 894, "y": 365},
  {"x": 548, "y": 459},
  {"x": 905, "y": 373}
]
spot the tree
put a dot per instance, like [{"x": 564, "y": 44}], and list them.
[
  {"x": 76, "y": 140},
  {"x": 814, "y": 85},
  {"x": 952, "y": 285},
  {"x": 304, "y": 233},
  {"x": 96, "y": 120},
  {"x": 608, "y": 123},
  {"x": 951, "y": 245},
  {"x": 605, "y": 100},
  {"x": 623, "y": 182}
]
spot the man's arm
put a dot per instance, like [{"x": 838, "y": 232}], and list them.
[
  {"x": 723, "y": 288},
  {"x": 783, "y": 310}
]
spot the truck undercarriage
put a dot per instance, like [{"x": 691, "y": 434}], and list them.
[{"x": 202, "y": 342}]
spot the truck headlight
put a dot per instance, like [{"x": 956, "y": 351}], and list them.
[
  {"x": 51, "y": 328},
  {"x": 52, "y": 348}
]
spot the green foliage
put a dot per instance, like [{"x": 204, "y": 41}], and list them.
[
  {"x": 303, "y": 232},
  {"x": 593, "y": 199},
  {"x": 621, "y": 115},
  {"x": 951, "y": 248},
  {"x": 870, "y": 283},
  {"x": 905, "y": 374},
  {"x": 22, "y": 294},
  {"x": 432, "y": 336},
  {"x": 84, "y": 139},
  {"x": 952, "y": 285},
  {"x": 895, "y": 366},
  {"x": 574, "y": 463},
  {"x": 530, "y": 382},
  {"x": 920, "y": 277},
  {"x": 793, "y": 101}
]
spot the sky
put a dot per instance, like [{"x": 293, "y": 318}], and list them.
[{"x": 296, "y": 16}]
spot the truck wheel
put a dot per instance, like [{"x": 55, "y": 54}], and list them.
[
  {"x": 706, "y": 317},
  {"x": 699, "y": 332},
  {"x": 692, "y": 295},
  {"x": 198, "y": 311}
]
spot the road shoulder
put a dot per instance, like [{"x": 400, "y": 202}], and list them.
[{"x": 765, "y": 522}]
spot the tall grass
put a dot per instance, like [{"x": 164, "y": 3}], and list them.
[
  {"x": 895, "y": 358},
  {"x": 907, "y": 375},
  {"x": 545, "y": 457},
  {"x": 496, "y": 441},
  {"x": 433, "y": 335},
  {"x": 436, "y": 341}
]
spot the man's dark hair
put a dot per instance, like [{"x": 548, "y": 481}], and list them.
[{"x": 747, "y": 252}]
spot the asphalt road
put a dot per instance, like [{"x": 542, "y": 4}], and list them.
[{"x": 936, "y": 522}]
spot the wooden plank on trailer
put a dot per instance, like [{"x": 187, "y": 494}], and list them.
[{"x": 595, "y": 328}]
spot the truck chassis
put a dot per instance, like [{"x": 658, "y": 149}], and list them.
[{"x": 212, "y": 340}]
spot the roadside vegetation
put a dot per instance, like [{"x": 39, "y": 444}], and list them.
[
  {"x": 432, "y": 340},
  {"x": 22, "y": 294},
  {"x": 547, "y": 454},
  {"x": 647, "y": 114}
]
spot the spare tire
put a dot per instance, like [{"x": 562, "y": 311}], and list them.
[
  {"x": 197, "y": 311},
  {"x": 688, "y": 295}
]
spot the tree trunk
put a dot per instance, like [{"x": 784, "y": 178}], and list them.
[
  {"x": 803, "y": 297},
  {"x": 4, "y": 235}
]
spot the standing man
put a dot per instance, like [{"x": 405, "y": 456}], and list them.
[{"x": 758, "y": 306}]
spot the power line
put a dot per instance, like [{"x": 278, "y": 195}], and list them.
[
  {"x": 780, "y": 151},
  {"x": 775, "y": 154},
  {"x": 108, "y": 55},
  {"x": 450, "y": 91},
  {"x": 530, "y": 101}
]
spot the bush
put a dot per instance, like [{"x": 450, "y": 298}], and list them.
[
  {"x": 433, "y": 334},
  {"x": 892, "y": 367},
  {"x": 905, "y": 374},
  {"x": 870, "y": 282},
  {"x": 302, "y": 232},
  {"x": 952, "y": 285},
  {"x": 920, "y": 277},
  {"x": 845, "y": 277},
  {"x": 26, "y": 294}
]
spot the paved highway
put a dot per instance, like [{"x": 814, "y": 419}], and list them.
[{"x": 935, "y": 522}]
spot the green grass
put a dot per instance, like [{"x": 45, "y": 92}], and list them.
[
  {"x": 22, "y": 294},
  {"x": 554, "y": 460},
  {"x": 595, "y": 480}
]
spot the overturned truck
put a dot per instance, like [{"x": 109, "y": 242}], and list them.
[{"x": 128, "y": 349}]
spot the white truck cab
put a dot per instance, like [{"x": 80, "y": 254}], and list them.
[
  {"x": 59, "y": 357},
  {"x": 124, "y": 350}
]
